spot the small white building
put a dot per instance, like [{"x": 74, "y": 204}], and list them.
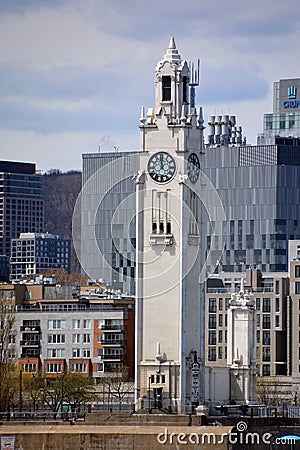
[{"x": 236, "y": 383}]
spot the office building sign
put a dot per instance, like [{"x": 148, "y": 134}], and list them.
[
  {"x": 291, "y": 92},
  {"x": 291, "y": 95}
]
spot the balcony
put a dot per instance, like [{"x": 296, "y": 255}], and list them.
[
  {"x": 28, "y": 353},
  {"x": 30, "y": 344},
  {"x": 107, "y": 327},
  {"x": 35, "y": 329},
  {"x": 113, "y": 343},
  {"x": 116, "y": 358}
]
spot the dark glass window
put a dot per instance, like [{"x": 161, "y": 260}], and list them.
[
  {"x": 212, "y": 354},
  {"x": 266, "y": 338},
  {"x": 185, "y": 90},
  {"x": 266, "y": 304},
  {"x": 212, "y": 305},
  {"x": 212, "y": 321},
  {"x": 266, "y": 321},
  {"x": 166, "y": 88},
  {"x": 212, "y": 337}
]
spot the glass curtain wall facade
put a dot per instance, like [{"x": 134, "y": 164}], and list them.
[
  {"x": 21, "y": 202},
  {"x": 259, "y": 188},
  {"x": 108, "y": 219}
]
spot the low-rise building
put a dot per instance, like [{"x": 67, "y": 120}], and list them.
[{"x": 90, "y": 331}]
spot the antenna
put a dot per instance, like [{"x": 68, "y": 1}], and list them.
[{"x": 194, "y": 80}]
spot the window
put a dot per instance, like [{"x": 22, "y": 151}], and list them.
[
  {"x": 266, "y": 305},
  {"x": 277, "y": 304},
  {"x": 100, "y": 367},
  {"x": 56, "y": 324},
  {"x": 86, "y": 353},
  {"x": 76, "y": 338},
  {"x": 220, "y": 304},
  {"x": 266, "y": 370},
  {"x": 212, "y": 337},
  {"x": 54, "y": 368},
  {"x": 297, "y": 287},
  {"x": 212, "y": 321},
  {"x": 76, "y": 353},
  {"x": 55, "y": 352},
  {"x": 86, "y": 338},
  {"x": 87, "y": 324},
  {"x": 78, "y": 367},
  {"x": 76, "y": 324},
  {"x": 56, "y": 339},
  {"x": 28, "y": 367},
  {"x": 185, "y": 89},
  {"x": 100, "y": 337},
  {"x": 297, "y": 271},
  {"x": 258, "y": 303},
  {"x": 258, "y": 336},
  {"x": 220, "y": 336},
  {"x": 220, "y": 352},
  {"x": 266, "y": 321},
  {"x": 266, "y": 337},
  {"x": 220, "y": 320},
  {"x": 166, "y": 88},
  {"x": 277, "y": 321},
  {"x": 212, "y": 356},
  {"x": 101, "y": 323},
  {"x": 212, "y": 305},
  {"x": 266, "y": 354}
]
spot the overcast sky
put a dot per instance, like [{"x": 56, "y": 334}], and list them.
[{"x": 74, "y": 74}]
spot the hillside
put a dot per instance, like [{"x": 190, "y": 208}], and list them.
[{"x": 60, "y": 191}]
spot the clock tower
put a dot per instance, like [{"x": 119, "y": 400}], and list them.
[{"x": 168, "y": 307}]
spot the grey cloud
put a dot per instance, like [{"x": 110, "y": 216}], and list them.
[{"x": 231, "y": 83}]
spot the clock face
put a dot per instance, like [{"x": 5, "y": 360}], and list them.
[
  {"x": 161, "y": 167},
  {"x": 193, "y": 167}
]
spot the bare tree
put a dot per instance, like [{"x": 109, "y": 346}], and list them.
[
  {"x": 118, "y": 384},
  {"x": 8, "y": 368}
]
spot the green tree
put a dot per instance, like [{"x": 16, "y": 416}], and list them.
[{"x": 71, "y": 388}]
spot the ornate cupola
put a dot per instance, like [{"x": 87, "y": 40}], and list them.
[{"x": 172, "y": 77}]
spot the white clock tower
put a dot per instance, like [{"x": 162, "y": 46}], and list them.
[{"x": 168, "y": 320}]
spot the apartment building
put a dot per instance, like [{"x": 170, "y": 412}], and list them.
[{"x": 89, "y": 332}]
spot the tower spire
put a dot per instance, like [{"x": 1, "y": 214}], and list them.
[{"x": 172, "y": 54}]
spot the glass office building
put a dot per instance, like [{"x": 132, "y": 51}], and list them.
[
  {"x": 260, "y": 190},
  {"x": 107, "y": 248},
  {"x": 21, "y": 202},
  {"x": 284, "y": 121}
]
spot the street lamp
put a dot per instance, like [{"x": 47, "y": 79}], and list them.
[
  {"x": 21, "y": 389},
  {"x": 62, "y": 392},
  {"x": 149, "y": 394}
]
